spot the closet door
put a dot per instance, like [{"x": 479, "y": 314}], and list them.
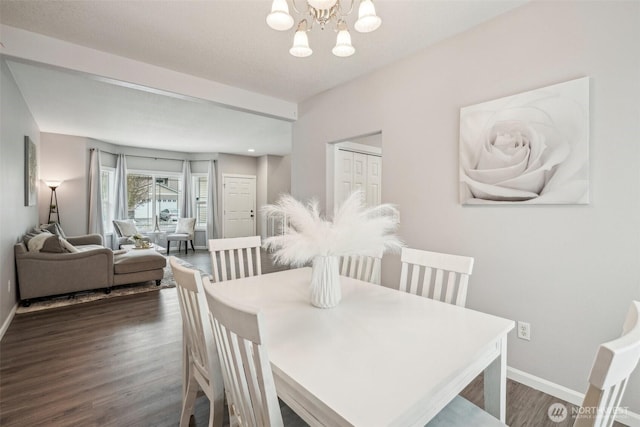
[
  {"x": 374, "y": 180},
  {"x": 360, "y": 172},
  {"x": 343, "y": 176}
]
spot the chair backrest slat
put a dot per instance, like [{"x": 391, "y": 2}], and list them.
[
  {"x": 224, "y": 253},
  {"x": 362, "y": 267},
  {"x": 232, "y": 264},
  {"x": 249, "y": 261},
  {"x": 449, "y": 282},
  {"x": 461, "y": 297}
]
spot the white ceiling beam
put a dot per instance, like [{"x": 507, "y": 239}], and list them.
[{"x": 35, "y": 47}]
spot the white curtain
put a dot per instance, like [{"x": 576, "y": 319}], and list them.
[
  {"x": 96, "y": 223},
  {"x": 120, "y": 193},
  {"x": 186, "y": 210},
  {"x": 212, "y": 203}
]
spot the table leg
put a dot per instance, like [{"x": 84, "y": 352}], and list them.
[{"x": 495, "y": 384}]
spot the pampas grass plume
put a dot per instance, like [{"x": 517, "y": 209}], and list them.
[{"x": 355, "y": 230}]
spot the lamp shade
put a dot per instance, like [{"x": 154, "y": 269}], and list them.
[
  {"x": 367, "y": 19},
  {"x": 343, "y": 47},
  {"x": 279, "y": 18},
  {"x": 300, "y": 46},
  {"x": 53, "y": 183}
]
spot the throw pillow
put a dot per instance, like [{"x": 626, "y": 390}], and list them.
[
  {"x": 53, "y": 228},
  {"x": 53, "y": 245},
  {"x": 126, "y": 228},
  {"x": 185, "y": 225}
]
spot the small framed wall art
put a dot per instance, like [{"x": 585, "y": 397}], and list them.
[{"x": 30, "y": 172}]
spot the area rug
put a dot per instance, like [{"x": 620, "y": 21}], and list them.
[{"x": 98, "y": 294}]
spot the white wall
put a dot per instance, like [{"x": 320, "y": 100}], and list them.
[
  {"x": 279, "y": 177},
  {"x": 262, "y": 172},
  {"x": 274, "y": 179},
  {"x": 571, "y": 271},
  {"x": 16, "y": 219},
  {"x": 65, "y": 158}
]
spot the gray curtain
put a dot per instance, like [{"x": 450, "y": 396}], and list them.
[
  {"x": 186, "y": 210},
  {"x": 120, "y": 193},
  {"x": 212, "y": 203},
  {"x": 96, "y": 222}
]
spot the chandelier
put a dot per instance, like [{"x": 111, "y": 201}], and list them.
[{"x": 323, "y": 13}]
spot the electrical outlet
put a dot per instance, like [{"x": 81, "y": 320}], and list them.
[{"x": 524, "y": 331}]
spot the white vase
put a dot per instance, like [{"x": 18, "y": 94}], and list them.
[{"x": 325, "y": 282}]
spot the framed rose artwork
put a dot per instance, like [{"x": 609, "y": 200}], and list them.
[{"x": 530, "y": 148}]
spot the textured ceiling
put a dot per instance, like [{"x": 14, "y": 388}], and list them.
[{"x": 229, "y": 42}]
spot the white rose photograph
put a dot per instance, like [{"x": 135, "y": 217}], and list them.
[{"x": 529, "y": 148}]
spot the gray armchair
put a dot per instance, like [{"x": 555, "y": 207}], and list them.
[{"x": 125, "y": 229}]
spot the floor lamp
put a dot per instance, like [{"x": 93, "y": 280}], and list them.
[{"x": 54, "y": 209}]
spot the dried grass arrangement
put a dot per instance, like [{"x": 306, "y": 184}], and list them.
[
  {"x": 354, "y": 230},
  {"x": 310, "y": 238}
]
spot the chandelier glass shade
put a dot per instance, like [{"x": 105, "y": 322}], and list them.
[{"x": 323, "y": 13}]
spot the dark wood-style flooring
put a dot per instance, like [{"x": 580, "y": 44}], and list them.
[{"x": 117, "y": 363}]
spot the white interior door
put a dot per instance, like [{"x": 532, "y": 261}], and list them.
[
  {"x": 360, "y": 172},
  {"x": 357, "y": 171},
  {"x": 239, "y": 206},
  {"x": 343, "y": 176},
  {"x": 374, "y": 180}
]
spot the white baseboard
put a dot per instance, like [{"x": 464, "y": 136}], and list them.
[
  {"x": 629, "y": 418},
  {"x": 8, "y": 321}
]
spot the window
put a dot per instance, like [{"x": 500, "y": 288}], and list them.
[
  {"x": 200, "y": 197},
  {"x": 108, "y": 177},
  {"x": 151, "y": 197}
]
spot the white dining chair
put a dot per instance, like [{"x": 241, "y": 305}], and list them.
[
  {"x": 439, "y": 276},
  {"x": 224, "y": 253},
  {"x": 614, "y": 362},
  {"x": 362, "y": 267},
  {"x": 245, "y": 363},
  {"x": 201, "y": 365}
]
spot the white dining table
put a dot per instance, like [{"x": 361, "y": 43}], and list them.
[{"x": 380, "y": 358}]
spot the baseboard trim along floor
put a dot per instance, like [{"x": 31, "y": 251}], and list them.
[
  {"x": 556, "y": 390},
  {"x": 8, "y": 321}
]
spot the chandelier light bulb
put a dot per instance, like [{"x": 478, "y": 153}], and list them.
[
  {"x": 367, "y": 21},
  {"x": 323, "y": 13},
  {"x": 279, "y": 18},
  {"x": 343, "y": 47},
  {"x": 300, "y": 46}
]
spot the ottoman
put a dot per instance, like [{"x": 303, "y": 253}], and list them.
[{"x": 138, "y": 265}]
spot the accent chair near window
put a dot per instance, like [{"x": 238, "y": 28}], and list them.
[{"x": 185, "y": 231}]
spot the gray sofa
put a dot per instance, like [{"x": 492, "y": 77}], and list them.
[{"x": 93, "y": 267}]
